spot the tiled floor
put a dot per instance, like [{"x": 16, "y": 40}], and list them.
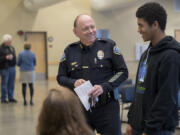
[{"x": 15, "y": 119}]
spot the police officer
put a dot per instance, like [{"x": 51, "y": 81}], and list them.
[{"x": 100, "y": 61}]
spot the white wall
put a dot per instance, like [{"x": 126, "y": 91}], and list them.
[
  {"x": 56, "y": 20},
  {"x": 123, "y": 28}
]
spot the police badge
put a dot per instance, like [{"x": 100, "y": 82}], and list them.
[{"x": 100, "y": 54}]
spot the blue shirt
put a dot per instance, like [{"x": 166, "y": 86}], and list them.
[{"x": 26, "y": 60}]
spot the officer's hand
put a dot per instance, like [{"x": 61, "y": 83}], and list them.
[
  {"x": 79, "y": 82},
  {"x": 144, "y": 134},
  {"x": 96, "y": 91},
  {"x": 129, "y": 130}
]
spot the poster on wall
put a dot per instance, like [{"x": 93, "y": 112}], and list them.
[
  {"x": 103, "y": 33},
  {"x": 176, "y": 5},
  {"x": 140, "y": 48}
]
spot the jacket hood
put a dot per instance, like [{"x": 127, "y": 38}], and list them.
[{"x": 166, "y": 43}]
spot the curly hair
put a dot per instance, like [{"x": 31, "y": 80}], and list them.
[
  {"x": 151, "y": 12},
  {"x": 62, "y": 114}
]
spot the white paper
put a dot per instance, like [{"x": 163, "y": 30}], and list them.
[{"x": 82, "y": 92}]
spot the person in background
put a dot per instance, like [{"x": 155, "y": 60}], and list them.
[
  {"x": 11, "y": 70},
  {"x": 61, "y": 114},
  {"x": 27, "y": 62},
  {"x": 101, "y": 62},
  {"x": 154, "y": 110},
  {"x": 7, "y": 69}
]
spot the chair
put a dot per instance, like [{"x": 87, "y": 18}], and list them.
[
  {"x": 117, "y": 90},
  {"x": 127, "y": 95},
  {"x": 179, "y": 104},
  {"x": 126, "y": 82},
  {"x": 178, "y": 127}
]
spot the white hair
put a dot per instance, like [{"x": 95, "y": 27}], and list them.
[{"x": 6, "y": 37}]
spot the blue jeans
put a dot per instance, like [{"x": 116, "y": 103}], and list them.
[
  {"x": 3, "y": 73},
  {"x": 11, "y": 81},
  {"x": 155, "y": 133}
]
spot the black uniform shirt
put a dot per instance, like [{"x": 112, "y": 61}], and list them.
[{"x": 103, "y": 62}]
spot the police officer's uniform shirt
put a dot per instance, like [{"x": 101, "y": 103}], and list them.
[
  {"x": 85, "y": 62},
  {"x": 103, "y": 62}
]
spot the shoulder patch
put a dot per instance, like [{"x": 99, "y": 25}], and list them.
[
  {"x": 63, "y": 58},
  {"x": 116, "y": 50}
]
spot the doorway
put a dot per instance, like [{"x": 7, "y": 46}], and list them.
[{"x": 39, "y": 48}]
